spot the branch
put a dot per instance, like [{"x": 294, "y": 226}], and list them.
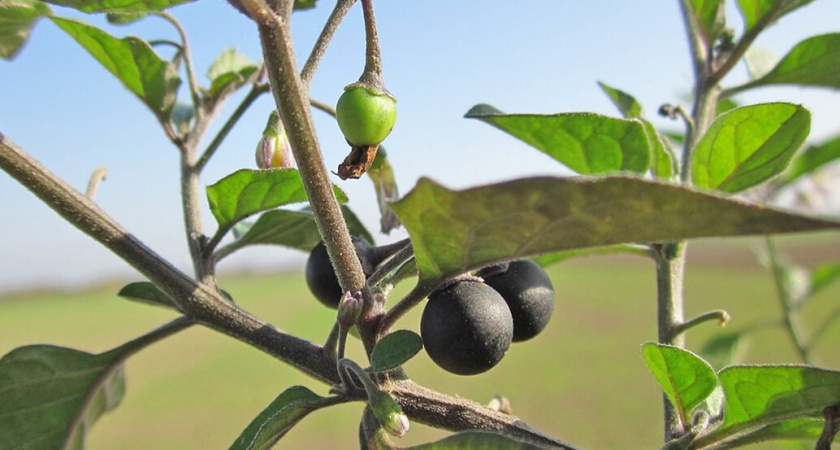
[{"x": 199, "y": 301}]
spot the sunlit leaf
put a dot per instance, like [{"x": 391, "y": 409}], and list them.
[
  {"x": 589, "y": 144},
  {"x": 51, "y": 396},
  {"x": 477, "y": 440},
  {"x": 231, "y": 68},
  {"x": 811, "y": 159},
  {"x": 146, "y": 292},
  {"x": 626, "y": 103},
  {"x": 118, "y": 6},
  {"x": 246, "y": 192},
  {"x": 395, "y": 349},
  {"x": 527, "y": 217},
  {"x": 748, "y": 145},
  {"x": 813, "y": 62},
  {"x": 824, "y": 275},
  {"x": 154, "y": 80},
  {"x": 279, "y": 417},
  {"x": 17, "y": 17},
  {"x": 761, "y": 13},
  {"x": 760, "y": 396},
  {"x": 710, "y": 15},
  {"x": 296, "y": 229},
  {"x": 685, "y": 378}
]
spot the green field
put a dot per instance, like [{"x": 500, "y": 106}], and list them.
[{"x": 582, "y": 380}]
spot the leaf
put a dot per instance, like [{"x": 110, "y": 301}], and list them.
[
  {"x": 824, "y": 275},
  {"x": 589, "y": 144},
  {"x": 17, "y": 18},
  {"x": 813, "y": 62},
  {"x": 51, "y": 396},
  {"x": 748, "y": 145},
  {"x": 119, "y": 18},
  {"x": 154, "y": 80},
  {"x": 761, "y": 13},
  {"x": 296, "y": 229},
  {"x": 553, "y": 258},
  {"x": 811, "y": 159},
  {"x": 760, "y": 396},
  {"x": 395, "y": 349},
  {"x": 246, "y": 192},
  {"x": 279, "y": 417},
  {"x": 626, "y": 103},
  {"x": 710, "y": 16},
  {"x": 806, "y": 428},
  {"x": 477, "y": 440},
  {"x": 685, "y": 378},
  {"x": 304, "y": 4},
  {"x": 722, "y": 349},
  {"x": 231, "y": 68},
  {"x": 532, "y": 216},
  {"x": 118, "y": 6},
  {"x": 146, "y": 292}
]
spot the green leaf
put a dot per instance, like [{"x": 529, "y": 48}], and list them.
[
  {"x": 146, "y": 292},
  {"x": 813, "y": 62},
  {"x": 231, "y": 68},
  {"x": 627, "y": 104},
  {"x": 806, "y": 428},
  {"x": 824, "y": 275},
  {"x": 154, "y": 80},
  {"x": 477, "y": 440},
  {"x": 811, "y": 159},
  {"x": 118, "y": 6},
  {"x": 532, "y": 216},
  {"x": 685, "y": 378},
  {"x": 304, "y": 4},
  {"x": 246, "y": 192},
  {"x": 761, "y": 13},
  {"x": 760, "y": 396},
  {"x": 395, "y": 349},
  {"x": 279, "y": 417},
  {"x": 722, "y": 349},
  {"x": 710, "y": 15},
  {"x": 51, "y": 396},
  {"x": 296, "y": 229},
  {"x": 589, "y": 144},
  {"x": 118, "y": 18},
  {"x": 748, "y": 145},
  {"x": 17, "y": 17}
]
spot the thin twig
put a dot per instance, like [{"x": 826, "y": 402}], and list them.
[
  {"x": 789, "y": 315},
  {"x": 719, "y": 315},
  {"x": 96, "y": 179},
  {"x": 188, "y": 64}
]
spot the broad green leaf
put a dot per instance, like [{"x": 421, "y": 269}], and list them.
[
  {"x": 589, "y": 144},
  {"x": 532, "y": 216},
  {"x": 231, "y": 68},
  {"x": 685, "y": 378},
  {"x": 246, "y": 192},
  {"x": 760, "y": 396},
  {"x": 118, "y": 6},
  {"x": 811, "y": 159},
  {"x": 154, "y": 80},
  {"x": 813, "y": 62},
  {"x": 748, "y": 145},
  {"x": 17, "y": 17},
  {"x": 722, "y": 349},
  {"x": 806, "y": 428},
  {"x": 395, "y": 349},
  {"x": 710, "y": 15},
  {"x": 279, "y": 417},
  {"x": 146, "y": 292},
  {"x": 477, "y": 440},
  {"x": 627, "y": 104},
  {"x": 761, "y": 13},
  {"x": 824, "y": 275},
  {"x": 51, "y": 396},
  {"x": 296, "y": 229}
]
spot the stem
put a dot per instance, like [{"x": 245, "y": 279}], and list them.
[
  {"x": 336, "y": 17},
  {"x": 719, "y": 315},
  {"x": 412, "y": 299},
  {"x": 372, "y": 74},
  {"x": 96, "y": 178},
  {"x": 790, "y": 317},
  {"x": 188, "y": 64}
]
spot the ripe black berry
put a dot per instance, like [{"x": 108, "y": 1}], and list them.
[
  {"x": 529, "y": 294},
  {"x": 466, "y": 327},
  {"x": 321, "y": 278}
]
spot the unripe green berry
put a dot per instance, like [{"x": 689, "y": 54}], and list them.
[{"x": 365, "y": 116}]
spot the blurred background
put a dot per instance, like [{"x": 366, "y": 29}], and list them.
[{"x": 199, "y": 389}]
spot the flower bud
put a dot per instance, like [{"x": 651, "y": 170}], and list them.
[
  {"x": 274, "y": 150},
  {"x": 388, "y": 412},
  {"x": 349, "y": 309}
]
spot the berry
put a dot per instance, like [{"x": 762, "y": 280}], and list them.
[
  {"x": 529, "y": 294},
  {"x": 321, "y": 277},
  {"x": 466, "y": 327},
  {"x": 365, "y": 116}
]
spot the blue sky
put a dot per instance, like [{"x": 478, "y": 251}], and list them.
[{"x": 544, "y": 56}]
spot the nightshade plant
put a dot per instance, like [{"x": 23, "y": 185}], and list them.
[{"x": 631, "y": 176}]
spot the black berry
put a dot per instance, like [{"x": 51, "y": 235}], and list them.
[
  {"x": 529, "y": 294},
  {"x": 321, "y": 277}
]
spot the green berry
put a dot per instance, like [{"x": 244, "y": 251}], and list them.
[{"x": 365, "y": 116}]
